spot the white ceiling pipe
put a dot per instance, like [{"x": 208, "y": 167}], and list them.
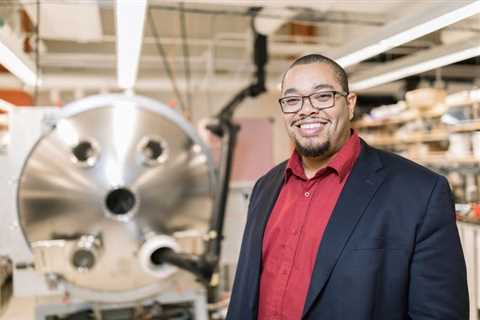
[
  {"x": 14, "y": 59},
  {"x": 412, "y": 26},
  {"x": 130, "y": 20},
  {"x": 72, "y": 81},
  {"x": 325, "y": 5},
  {"x": 70, "y": 15},
  {"x": 417, "y": 63},
  {"x": 100, "y": 62}
]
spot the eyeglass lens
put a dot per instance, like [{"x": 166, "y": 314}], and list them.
[{"x": 318, "y": 100}]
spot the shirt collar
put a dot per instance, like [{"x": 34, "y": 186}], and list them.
[{"x": 341, "y": 163}]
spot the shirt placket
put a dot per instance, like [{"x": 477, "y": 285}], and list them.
[{"x": 293, "y": 241}]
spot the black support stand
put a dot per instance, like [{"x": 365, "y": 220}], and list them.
[{"x": 222, "y": 126}]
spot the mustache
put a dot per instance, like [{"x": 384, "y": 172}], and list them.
[{"x": 321, "y": 119}]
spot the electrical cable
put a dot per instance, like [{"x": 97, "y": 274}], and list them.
[
  {"x": 186, "y": 58},
  {"x": 166, "y": 65}
]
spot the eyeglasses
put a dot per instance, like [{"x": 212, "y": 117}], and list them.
[{"x": 318, "y": 100}]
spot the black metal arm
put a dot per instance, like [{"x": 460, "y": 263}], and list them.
[{"x": 223, "y": 127}]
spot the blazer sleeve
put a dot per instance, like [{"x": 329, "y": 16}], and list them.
[
  {"x": 237, "y": 309},
  {"x": 438, "y": 282}
]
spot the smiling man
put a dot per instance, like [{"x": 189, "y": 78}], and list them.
[{"x": 342, "y": 230}]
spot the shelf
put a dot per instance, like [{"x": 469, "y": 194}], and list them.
[
  {"x": 407, "y": 116},
  {"x": 370, "y": 123},
  {"x": 469, "y": 223},
  {"x": 414, "y": 137},
  {"x": 464, "y": 98},
  {"x": 420, "y": 137},
  {"x": 465, "y": 127},
  {"x": 445, "y": 160},
  {"x": 463, "y": 104},
  {"x": 434, "y": 135}
]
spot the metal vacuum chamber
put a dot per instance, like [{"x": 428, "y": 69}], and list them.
[{"x": 112, "y": 182}]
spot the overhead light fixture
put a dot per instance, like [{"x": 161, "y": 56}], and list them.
[
  {"x": 130, "y": 19},
  {"x": 15, "y": 60},
  {"x": 271, "y": 19},
  {"x": 417, "y": 63},
  {"x": 406, "y": 29}
]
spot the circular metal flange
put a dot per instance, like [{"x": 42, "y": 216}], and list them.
[{"x": 84, "y": 177}]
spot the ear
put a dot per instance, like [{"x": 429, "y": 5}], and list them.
[{"x": 351, "y": 103}]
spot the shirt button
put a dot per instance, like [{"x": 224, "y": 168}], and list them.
[{"x": 307, "y": 194}]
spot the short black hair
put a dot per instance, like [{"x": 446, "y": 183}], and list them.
[{"x": 338, "y": 71}]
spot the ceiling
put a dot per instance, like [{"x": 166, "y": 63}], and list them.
[{"x": 208, "y": 44}]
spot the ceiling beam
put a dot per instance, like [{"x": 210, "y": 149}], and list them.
[
  {"x": 72, "y": 18},
  {"x": 420, "y": 62},
  {"x": 458, "y": 71},
  {"x": 130, "y": 21},
  {"x": 376, "y": 6},
  {"x": 68, "y": 82},
  {"x": 14, "y": 59},
  {"x": 412, "y": 26}
]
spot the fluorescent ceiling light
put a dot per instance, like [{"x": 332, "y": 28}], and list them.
[
  {"x": 130, "y": 18},
  {"x": 11, "y": 59},
  {"x": 407, "y": 29},
  {"x": 417, "y": 63}
]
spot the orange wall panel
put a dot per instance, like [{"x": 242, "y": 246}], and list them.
[{"x": 16, "y": 97}]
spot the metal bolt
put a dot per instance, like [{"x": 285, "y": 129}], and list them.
[{"x": 52, "y": 280}]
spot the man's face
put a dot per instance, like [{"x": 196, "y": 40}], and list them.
[{"x": 317, "y": 133}]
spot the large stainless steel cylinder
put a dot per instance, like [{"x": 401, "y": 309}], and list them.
[{"x": 113, "y": 172}]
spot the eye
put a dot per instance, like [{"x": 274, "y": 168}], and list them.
[
  {"x": 292, "y": 101},
  {"x": 322, "y": 96}
]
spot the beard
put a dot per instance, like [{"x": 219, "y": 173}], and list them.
[{"x": 319, "y": 151}]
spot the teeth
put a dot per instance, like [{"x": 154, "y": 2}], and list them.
[{"x": 310, "y": 125}]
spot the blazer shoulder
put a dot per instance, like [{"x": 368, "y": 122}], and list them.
[
  {"x": 398, "y": 165},
  {"x": 279, "y": 169},
  {"x": 269, "y": 182}
]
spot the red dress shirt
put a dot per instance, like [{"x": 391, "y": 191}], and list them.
[{"x": 294, "y": 231}]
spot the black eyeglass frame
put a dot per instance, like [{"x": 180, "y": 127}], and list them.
[{"x": 343, "y": 94}]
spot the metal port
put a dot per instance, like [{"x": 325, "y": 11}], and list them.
[
  {"x": 120, "y": 201},
  {"x": 153, "y": 150},
  {"x": 85, "y": 153}
]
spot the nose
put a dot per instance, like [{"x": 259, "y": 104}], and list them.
[{"x": 307, "y": 107}]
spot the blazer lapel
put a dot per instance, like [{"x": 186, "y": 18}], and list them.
[
  {"x": 361, "y": 186},
  {"x": 261, "y": 212}
]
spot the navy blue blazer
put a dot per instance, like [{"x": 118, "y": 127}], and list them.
[{"x": 390, "y": 251}]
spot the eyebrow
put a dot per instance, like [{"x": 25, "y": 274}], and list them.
[
  {"x": 317, "y": 87},
  {"x": 323, "y": 86}
]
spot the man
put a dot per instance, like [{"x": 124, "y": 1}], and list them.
[{"x": 342, "y": 230}]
